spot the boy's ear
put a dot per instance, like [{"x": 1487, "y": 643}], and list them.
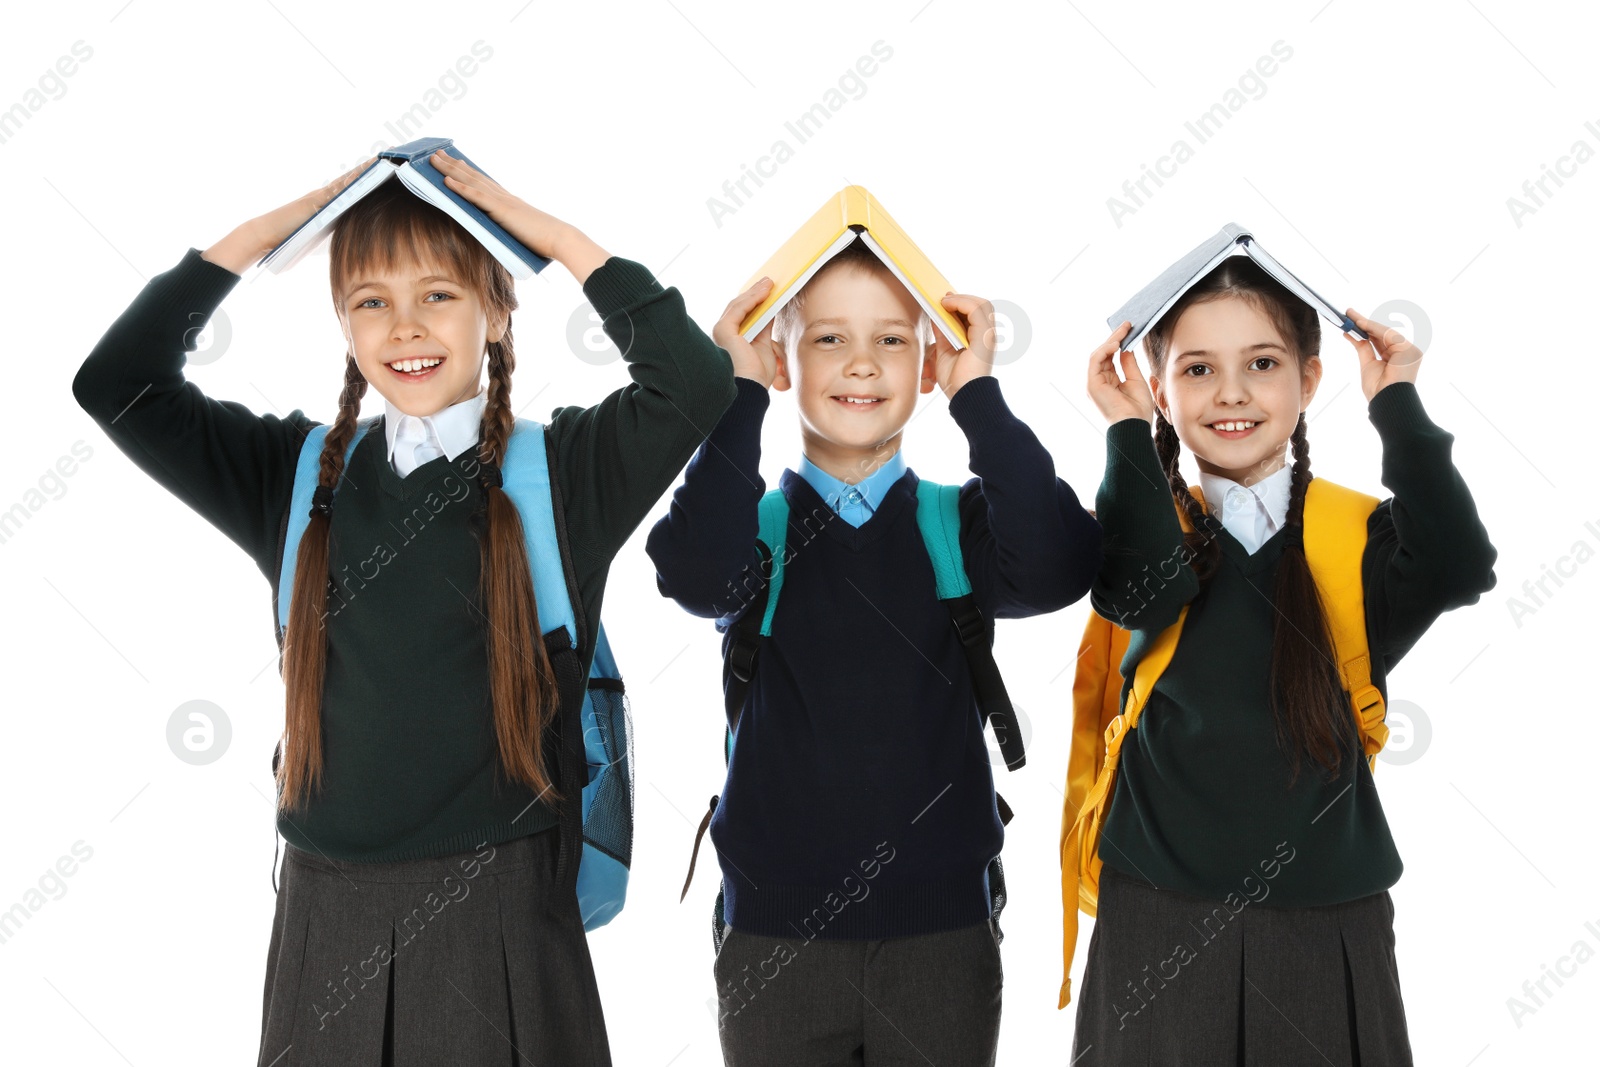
[
  {"x": 930, "y": 370},
  {"x": 780, "y": 379}
]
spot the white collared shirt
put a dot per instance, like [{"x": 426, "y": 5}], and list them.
[
  {"x": 450, "y": 432},
  {"x": 1250, "y": 513}
]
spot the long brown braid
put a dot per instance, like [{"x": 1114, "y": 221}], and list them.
[
  {"x": 1302, "y": 651},
  {"x": 518, "y": 661},
  {"x": 387, "y": 228},
  {"x": 1310, "y": 707},
  {"x": 1205, "y": 552}
]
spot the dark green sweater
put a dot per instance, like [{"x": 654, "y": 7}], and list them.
[
  {"x": 408, "y": 735},
  {"x": 1203, "y": 799}
]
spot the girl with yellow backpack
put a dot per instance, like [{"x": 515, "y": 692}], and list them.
[{"x": 1221, "y": 819}]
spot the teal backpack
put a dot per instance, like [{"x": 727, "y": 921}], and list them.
[
  {"x": 939, "y": 520},
  {"x": 598, "y": 871}
]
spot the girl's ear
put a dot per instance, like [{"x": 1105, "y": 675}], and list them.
[
  {"x": 497, "y": 328},
  {"x": 1310, "y": 378},
  {"x": 930, "y": 369},
  {"x": 1159, "y": 394}
]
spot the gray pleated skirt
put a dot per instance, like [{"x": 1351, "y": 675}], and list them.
[
  {"x": 1177, "y": 979},
  {"x": 465, "y": 958}
]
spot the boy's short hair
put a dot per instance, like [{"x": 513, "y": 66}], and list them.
[{"x": 787, "y": 325}]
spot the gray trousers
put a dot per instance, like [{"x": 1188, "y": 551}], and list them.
[{"x": 929, "y": 999}]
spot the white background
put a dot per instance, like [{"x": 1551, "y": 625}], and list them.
[{"x": 1377, "y": 161}]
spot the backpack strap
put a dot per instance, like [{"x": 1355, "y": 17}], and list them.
[
  {"x": 527, "y": 475},
  {"x": 306, "y": 471},
  {"x": 939, "y": 520},
  {"x": 773, "y": 532},
  {"x": 1334, "y": 517},
  {"x": 1102, "y": 719}
]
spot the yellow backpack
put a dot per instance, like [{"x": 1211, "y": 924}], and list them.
[{"x": 1335, "y": 538}]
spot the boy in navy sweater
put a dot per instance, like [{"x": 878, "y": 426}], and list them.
[{"x": 858, "y": 819}]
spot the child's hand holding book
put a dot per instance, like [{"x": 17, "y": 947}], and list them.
[
  {"x": 251, "y": 240},
  {"x": 1117, "y": 398},
  {"x": 757, "y": 359},
  {"x": 955, "y": 367},
  {"x": 1386, "y": 356},
  {"x": 545, "y": 234}
]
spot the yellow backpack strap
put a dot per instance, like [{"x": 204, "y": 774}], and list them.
[
  {"x": 1335, "y": 537},
  {"x": 1096, "y": 690},
  {"x": 1098, "y": 731}
]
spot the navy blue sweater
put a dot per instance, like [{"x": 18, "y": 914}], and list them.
[{"x": 859, "y": 801}]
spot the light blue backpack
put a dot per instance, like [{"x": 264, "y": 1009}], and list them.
[{"x": 605, "y": 725}]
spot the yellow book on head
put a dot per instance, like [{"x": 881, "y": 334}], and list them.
[{"x": 850, "y": 213}]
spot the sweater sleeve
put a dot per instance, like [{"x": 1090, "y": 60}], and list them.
[
  {"x": 704, "y": 547},
  {"x": 1146, "y": 578},
  {"x": 1028, "y": 545},
  {"x": 1427, "y": 551},
  {"x": 232, "y": 466},
  {"x": 619, "y": 456}
]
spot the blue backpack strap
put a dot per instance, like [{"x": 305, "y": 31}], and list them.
[
  {"x": 525, "y": 478},
  {"x": 305, "y": 484},
  {"x": 939, "y": 519},
  {"x": 605, "y": 812},
  {"x": 773, "y": 532}
]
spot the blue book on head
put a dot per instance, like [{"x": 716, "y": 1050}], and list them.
[
  {"x": 410, "y": 163},
  {"x": 1155, "y": 299}
]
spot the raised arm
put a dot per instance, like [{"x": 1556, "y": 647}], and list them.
[
  {"x": 704, "y": 548},
  {"x": 220, "y": 458},
  {"x": 620, "y": 455},
  {"x": 1145, "y": 579},
  {"x": 1427, "y": 551},
  {"x": 617, "y": 457},
  {"x": 1028, "y": 544}
]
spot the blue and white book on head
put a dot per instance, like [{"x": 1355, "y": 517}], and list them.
[
  {"x": 410, "y": 163},
  {"x": 1157, "y": 298}
]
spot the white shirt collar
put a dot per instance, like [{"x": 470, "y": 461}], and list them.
[
  {"x": 452, "y": 430},
  {"x": 1260, "y": 510}
]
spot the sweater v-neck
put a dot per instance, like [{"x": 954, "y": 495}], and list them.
[
  {"x": 805, "y": 500},
  {"x": 396, "y": 486},
  {"x": 1263, "y": 558}
]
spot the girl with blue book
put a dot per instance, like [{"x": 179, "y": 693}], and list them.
[{"x": 418, "y": 917}]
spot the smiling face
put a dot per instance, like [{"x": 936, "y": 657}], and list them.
[
  {"x": 856, "y": 366},
  {"x": 420, "y": 316},
  {"x": 1232, "y": 387}
]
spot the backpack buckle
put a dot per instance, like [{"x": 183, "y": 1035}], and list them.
[
  {"x": 1369, "y": 707},
  {"x": 968, "y": 620},
  {"x": 1115, "y": 730},
  {"x": 742, "y": 658}
]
